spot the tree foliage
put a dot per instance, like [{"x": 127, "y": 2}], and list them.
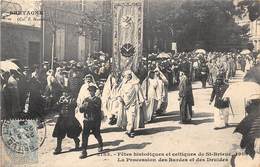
[
  {"x": 197, "y": 23},
  {"x": 250, "y": 7}
]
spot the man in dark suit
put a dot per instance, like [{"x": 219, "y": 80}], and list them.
[{"x": 222, "y": 106}]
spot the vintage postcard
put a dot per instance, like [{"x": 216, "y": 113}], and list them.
[{"x": 135, "y": 83}]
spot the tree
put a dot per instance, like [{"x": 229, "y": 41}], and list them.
[
  {"x": 250, "y": 7},
  {"x": 94, "y": 18},
  {"x": 200, "y": 23}
]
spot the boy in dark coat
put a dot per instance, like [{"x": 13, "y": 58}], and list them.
[
  {"x": 67, "y": 124},
  {"x": 91, "y": 108}
]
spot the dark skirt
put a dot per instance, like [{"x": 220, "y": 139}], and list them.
[
  {"x": 67, "y": 126},
  {"x": 185, "y": 110}
]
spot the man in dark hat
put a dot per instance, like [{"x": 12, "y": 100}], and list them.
[
  {"x": 91, "y": 108},
  {"x": 204, "y": 72},
  {"x": 186, "y": 98},
  {"x": 35, "y": 100},
  {"x": 75, "y": 82},
  {"x": 222, "y": 106},
  {"x": 185, "y": 67},
  {"x": 66, "y": 124}
]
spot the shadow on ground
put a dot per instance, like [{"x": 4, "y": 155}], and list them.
[
  {"x": 105, "y": 144},
  {"x": 198, "y": 88},
  {"x": 112, "y": 129},
  {"x": 202, "y": 114},
  {"x": 175, "y": 116},
  {"x": 151, "y": 131},
  {"x": 201, "y": 121},
  {"x": 169, "y": 116}
]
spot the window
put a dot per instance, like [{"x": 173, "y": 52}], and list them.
[{"x": 83, "y": 5}]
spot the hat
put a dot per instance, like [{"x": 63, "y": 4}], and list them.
[
  {"x": 49, "y": 72},
  {"x": 220, "y": 77},
  {"x": 127, "y": 72},
  {"x": 65, "y": 72},
  {"x": 88, "y": 76},
  {"x": 73, "y": 62},
  {"x": 79, "y": 65},
  {"x": 92, "y": 87},
  {"x": 26, "y": 68}
]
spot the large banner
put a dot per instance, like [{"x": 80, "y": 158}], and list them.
[{"x": 127, "y": 34}]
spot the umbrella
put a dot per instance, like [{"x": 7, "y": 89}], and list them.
[
  {"x": 6, "y": 66},
  {"x": 200, "y": 51},
  {"x": 245, "y": 90},
  {"x": 143, "y": 58},
  {"x": 163, "y": 55},
  {"x": 72, "y": 62},
  {"x": 253, "y": 74},
  {"x": 152, "y": 56},
  {"x": 245, "y": 51}
]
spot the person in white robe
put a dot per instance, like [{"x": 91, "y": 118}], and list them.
[
  {"x": 149, "y": 87},
  {"x": 50, "y": 79},
  {"x": 84, "y": 93},
  {"x": 111, "y": 105},
  {"x": 132, "y": 98},
  {"x": 162, "y": 91},
  {"x": 59, "y": 76}
]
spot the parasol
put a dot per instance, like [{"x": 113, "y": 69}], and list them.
[
  {"x": 200, "y": 51},
  {"x": 244, "y": 90},
  {"x": 72, "y": 62},
  {"x": 7, "y": 65},
  {"x": 163, "y": 55},
  {"x": 253, "y": 74},
  {"x": 245, "y": 51}
]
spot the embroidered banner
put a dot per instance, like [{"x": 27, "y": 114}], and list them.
[{"x": 127, "y": 34}]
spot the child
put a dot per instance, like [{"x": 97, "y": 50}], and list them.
[
  {"x": 67, "y": 124},
  {"x": 91, "y": 108}
]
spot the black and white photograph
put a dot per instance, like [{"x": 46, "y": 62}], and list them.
[{"x": 136, "y": 83}]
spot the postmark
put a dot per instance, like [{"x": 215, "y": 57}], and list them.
[{"x": 22, "y": 139}]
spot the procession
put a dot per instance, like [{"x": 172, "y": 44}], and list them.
[{"x": 150, "y": 80}]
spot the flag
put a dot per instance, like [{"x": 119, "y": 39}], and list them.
[{"x": 127, "y": 34}]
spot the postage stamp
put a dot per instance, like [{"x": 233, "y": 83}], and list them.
[{"x": 21, "y": 140}]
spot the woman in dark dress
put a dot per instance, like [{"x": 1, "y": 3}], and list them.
[
  {"x": 186, "y": 98},
  {"x": 36, "y": 102}
]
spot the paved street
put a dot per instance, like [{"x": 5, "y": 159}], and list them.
[{"x": 165, "y": 135}]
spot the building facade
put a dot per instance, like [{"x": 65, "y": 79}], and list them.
[
  {"x": 68, "y": 35},
  {"x": 21, "y": 42},
  {"x": 66, "y": 30},
  {"x": 254, "y": 31},
  {"x": 255, "y": 34}
]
